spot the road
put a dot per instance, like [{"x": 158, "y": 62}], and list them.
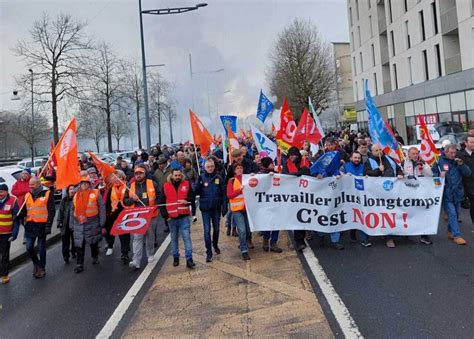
[
  {"x": 411, "y": 291},
  {"x": 65, "y": 304}
]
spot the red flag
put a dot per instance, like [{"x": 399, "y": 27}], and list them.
[
  {"x": 428, "y": 151},
  {"x": 201, "y": 135},
  {"x": 307, "y": 130},
  {"x": 67, "y": 172},
  {"x": 274, "y": 130},
  {"x": 286, "y": 133},
  {"x": 135, "y": 220},
  {"x": 396, "y": 154},
  {"x": 51, "y": 152},
  {"x": 104, "y": 168}
]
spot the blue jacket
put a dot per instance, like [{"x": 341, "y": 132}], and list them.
[
  {"x": 211, "y": 188},
  {"x": 453, "y": 186},
  {"x": 349, "y": 167}
]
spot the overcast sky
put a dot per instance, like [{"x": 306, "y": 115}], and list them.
[{"x": 235, "y": 35}]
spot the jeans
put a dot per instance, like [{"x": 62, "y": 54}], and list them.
[
  {"x": 335, "y": 236},
  {"x": 228, "y": 218},
  {"x": 148, "y": 238},
  {"x": 80, "y": 251},
  {"x": 30, "y": 248},
  {"x": 272, "y": 235},
  {"x": 181, "y": 225},
  {"x": 241, "y": 221},
  {"x": 363, "y": 236},
  {"x": 4, "y": 254},
  {"x": 209, "y": 217},
  {"x": 67, "y": 240},
  {"x": 453, "y": 225},
  {"x": 299, "y": 237}
]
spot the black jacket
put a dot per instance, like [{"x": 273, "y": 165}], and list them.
[
  {"x": 469, "y": 180},
  {"x": 64, "y": 214},
  {"x": 388, "y": 172},
  {"x": 211, "y": 189}
]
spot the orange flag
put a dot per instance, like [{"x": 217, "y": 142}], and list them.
[
  {"x": 233, "y": 142},
  {"x": 65, "y": 152},
  {"x": 104, "y": 168},
  {"x": 201, "y": 135}
]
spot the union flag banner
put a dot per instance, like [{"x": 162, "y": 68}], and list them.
[
  {"x": 135, "y": 220},
  {"x": 428, "y": 151},
  {"x": 65, "y": 153},
  {"x": 307, "y": 130},
  {"x": 201, "y": 135},
  {"x": 104, "y": 168},
  {"x": 286, "y": 134}
]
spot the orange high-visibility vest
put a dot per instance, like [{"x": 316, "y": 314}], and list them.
[
  {"x": 92, "y": 208},
  {"x": 6, "y": 216},
  {"x": 237, "y": 203},
  {"x": 172, "y": 207},
  {"x": 116, "y": 196},
  {"x": 150, "y": 192},
  {"x": 37, "y": 210}
]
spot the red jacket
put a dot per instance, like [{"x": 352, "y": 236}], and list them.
[
  {"x": 231, "y": 194},
  {"x": 19, "y": 190}
]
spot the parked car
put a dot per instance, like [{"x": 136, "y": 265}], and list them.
[
  {"x": 454, "y": 138},
  {"x": 9, "y": 175},
  {"x": 449, "y": 127},
  {"x": 26, "y": 163}
]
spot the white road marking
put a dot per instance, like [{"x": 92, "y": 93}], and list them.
[
  {"x": 119, "y": 312},
  {"x": 341, "y": 313}
]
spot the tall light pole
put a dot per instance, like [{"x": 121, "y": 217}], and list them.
[
  {"x": 163, "y": 11},
  {"x": 32, "y": 121}
]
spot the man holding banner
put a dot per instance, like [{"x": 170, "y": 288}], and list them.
[{"x": 142, "y": 192}]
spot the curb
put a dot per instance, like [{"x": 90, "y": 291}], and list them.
[{"x": 23, "y": 257}]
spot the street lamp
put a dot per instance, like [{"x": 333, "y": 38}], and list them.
[
  {"x": 163, "y": 11},
  {"x": 32, "y": 121}
]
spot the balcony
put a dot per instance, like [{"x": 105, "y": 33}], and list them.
[
  {"x": 453, "y": 64},
  {"x": 449, "y": 21},
  {"x": 387, "y": 86},
  {"x": 384, "y": 55},
  {"x": 382, "y": 25}
]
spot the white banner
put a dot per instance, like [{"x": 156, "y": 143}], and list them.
[{"x": 377, "y": 206}]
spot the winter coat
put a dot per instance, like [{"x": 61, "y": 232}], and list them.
[
  {"x": 301, "y": 170},
  {"x": 91, "y": 230},
  {"x": 19, "y": 190},
  {"x": 469, "y": 161},
  {"x": 392, "y": 169},
  {"x": 453, "y": 186},
  {"x": 358, "y": 170},
  {"x": 190, "y": 175},
  {"x": 412, "y": 169},
  {"x": 64, "y": 218},
  {"x": 162, "y": 200},
  {"x": 211, "y": 189},
  {"x": 162, "y": 176}
]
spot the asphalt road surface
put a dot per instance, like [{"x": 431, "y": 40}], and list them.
[
  {"x": 411, "y": 291},
  {"x": 65, "y": 304}
]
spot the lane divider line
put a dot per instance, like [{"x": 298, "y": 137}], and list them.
[
  {"x": 340, "y": 311},
  {"x": 122, "y": 308}
]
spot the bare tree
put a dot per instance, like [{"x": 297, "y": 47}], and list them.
[
  {"x": 40, "y": 130},
  {"x": 55, "y": 52},
  {"x": 159, "y": 93},
  {"x": 133, "y": 92},
  {"x": 91, "y": 124},
  {"x": 301, "y": 67},
  {"x": 103, "y": 83},
  {"x": 120, "y": 126},
  {"x": 170, "y": 116}
]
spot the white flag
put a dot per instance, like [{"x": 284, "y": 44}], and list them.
[
  {"x": 265, "y": 146},
  {"x": 315, "y": 117}
]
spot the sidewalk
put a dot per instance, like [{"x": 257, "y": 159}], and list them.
[{"x": 268, "y": 296}]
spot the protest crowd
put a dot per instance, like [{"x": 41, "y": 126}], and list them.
[{"x": 207, "y": 175}]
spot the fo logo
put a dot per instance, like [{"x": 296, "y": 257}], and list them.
[
  {"x": 388, "y": 185},
  {"x": 253, "y": 182}
]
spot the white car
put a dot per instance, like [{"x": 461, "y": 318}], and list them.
[
  {"x": 26, "y": 163},
  {"x": 9, "y": 175}
]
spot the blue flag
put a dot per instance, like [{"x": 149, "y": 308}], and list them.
[
  {"x": 378, "y": 131},
  {"x": 229, "y": 121},
  {"x": 327, "y": 165},
  {"x": 265, "y": 106}
]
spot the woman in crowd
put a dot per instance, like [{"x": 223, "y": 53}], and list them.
[{"x": 64, "y": 223}]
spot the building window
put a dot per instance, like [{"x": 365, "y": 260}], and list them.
[
  {"x": 425, "y": 65},
  {"x": 357, "y": 9},
  {"x": 435, "y": 17},
  {"x": 357, "y": 91},
  {"x": 390, "y": 10},
  {"x": 361, "y": 62},
  {"x": 370, "y": 4},
  {"x": 406, "y": 5},
  {"x": 438, "y": 60},
  {"x": 373, "y": 55},
  {"x": 353, "y": 42},
  {"x": 407, "y": 33},
  {"x": 371, "y": 26},
  {"x": 354, "y": 65},
  {"x": 410, "y": 73},
  {"x": 422, "y": 25},
  {"x": 350, "y": 16},
  {"x": 395, "y": 76},
  {"x": 393, "y": 43},
  {"x": 375, "y": 84},
  {"x": 360, "y": 38}
]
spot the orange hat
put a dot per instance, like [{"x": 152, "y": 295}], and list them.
[
  {"x": 85, "y": 179},
  {"x": 140, "y": 169}
]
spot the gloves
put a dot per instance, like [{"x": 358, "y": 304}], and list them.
[{"x": 47, "y": 230}]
